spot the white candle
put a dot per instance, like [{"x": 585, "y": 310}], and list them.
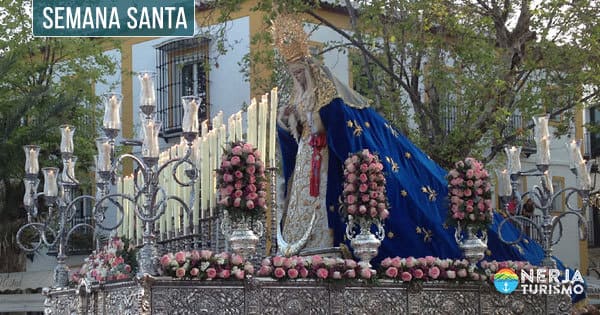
[
  {"x": 103, "y": 162},
  {"x": 148, "y": 96},
  {"x": 547, "y": 179},
  {"x": 30, "y": 191},
  {"x": 583, "y": 175},
  {"x": 32, "y": 166},
  {"x": 222, "y": 143},
  {"x": 150, "y": 146},
  {"x": 263, "y": 109},
  {"x": 272, "y": 127},
  {"x": 252, "y": 123},
  {"x": 112, "y": 110},
  {"x": 50, "y": 184},
  {"x": 68, "y": 173},
  {"x": 66, "y": 140},
  {"x": 128, "y": 188},
  {"x": 514, "y": 162},
  {"x": 574, "y": 151},
  {"x": 212, "y": 137},
  {"x": 204, "y": 173},
  {"x": 190, "y": 114},
  {"x": 544, "y": 151},
  {"x": 504, "y": 186},
  {"x": 238, "y": 126},
  {"x": 231, "y": 128},
  {"x": 204, "y": 128}
]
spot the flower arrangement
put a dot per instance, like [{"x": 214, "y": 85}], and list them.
[
  {"x": 205, "y": 265},
  {"x": 364, "y": 187},
  {"x": 110, "y": 263},
  {"x": 315, "y": 267},
  {"x": 241, "y": 180},
  {"x": 489, "y": 268},
  {"x": 470, "y": 195}
]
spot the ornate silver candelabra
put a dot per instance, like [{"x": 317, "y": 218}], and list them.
[
  {"x": 148, "y": 199},
  {"x": 56, "y": 228},
  {"x": 519, "y": 208}
]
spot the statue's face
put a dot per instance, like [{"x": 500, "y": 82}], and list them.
[{"x": 299, "y": 73}]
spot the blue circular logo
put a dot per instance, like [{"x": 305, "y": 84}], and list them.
[{"x": 506, "y": 281}]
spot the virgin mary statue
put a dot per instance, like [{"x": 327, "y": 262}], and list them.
[{"x": 326, "y": 121}]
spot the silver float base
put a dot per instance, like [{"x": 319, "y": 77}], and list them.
[{"x": 266, "y": 296}]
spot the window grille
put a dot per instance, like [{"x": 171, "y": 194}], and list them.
[{"x": 182, "y": 69}]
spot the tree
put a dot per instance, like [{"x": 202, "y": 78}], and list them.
[
  {"x": 451, "y": 73},
  {"x": 45, "y": 82}
]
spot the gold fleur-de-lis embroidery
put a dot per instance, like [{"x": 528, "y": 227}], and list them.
[
  {"x": 427, "y": 234},
  {"x": 393, "y": 164},
  {"x": 403, "y": 193},
  {"x": 390, "y": 235},
  {"x": 367, "y": 124},
  {"x": 432, "y": 193},
  {"x": 407, "y": 155},
  {"x": 357, "y": 128},
  {"x": 488, "y": 252}
]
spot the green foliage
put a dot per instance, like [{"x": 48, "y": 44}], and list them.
[
  {"x": 45, "y": 82},
  {"x": 450, "y": 74}
]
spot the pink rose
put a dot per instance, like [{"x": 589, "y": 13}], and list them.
[
  {"x": 434, "y": 272},
  {"x": 350, "y": 263},
  {"x": 227, "y": 178},
  {"x": 235, "y": 161},
  {"x": 470, "y": 183},
  {"x": 316, "y": 260},
  {"x": 406, "y": 276},
  {"x": 384, "y": 214},
  {"x": 363, "y": 178},
  {"x": 397, "y": 262},
  {"x": 292, "y": 273},
  {"x": 237, "y": 150},
  {"x": 322, "y": 273},
  {"x": 364, "y": 167},
  {"x": 363, "y": 188},
  {"x": 467, "y": 192},
  {"x": 279, "y": 273},
  {"x": 224, "y": 274},
  {"x": 351, "y": 209},
  {"x": 225, "y": 164},
  {"x": 365, "y": 273},
  {"x": 247, "y": 148},
  {"x": 278, "y": 261},
  {"x": 337, "y": 275},
  {"x": 238, "y": 184},
  {"x": 451, "y": 274},
  {"x": 252, "y": 196},
  {"x": 194, "y": 272},
  {"x": 386, "y": 262},
  {"x": 236, "y": 259},
  {"x": 461, "y": 273},
  {"x": 252, "y": 180},
  {"x": 180, "y": 257},
  {"x": 127, "y": 268},
  {"x": 351, "y": 178},
  {"x": 418, "y": 273},
  {"x": 238, "y": 193},
  {"x": 362, "y": 209},
  {"x": 391, "y": 272},
  {"x": 303, "y": 272},
  {"x": 251, "y": 169},
  {"x": 237, "y": 202},
  {"x": 240, "y": 274},
  {"x": 211, "y": 273},
  {"x": 350, "y": 199},
  {"x": 195, "y": 255},
  {"x": 251, "y": 188},
  {"x": 410, "y": 262},
  {"x": 265, "y": 262},
  {"x": 239, "y": 174},
  {"x": 248, "y": 268},
  {"x": 350, "y": 274},
  {"x": 470, "y": 173},
  {"x": 250, "y": 159},
  {"x": 262, "y": 202},
  {"x": 250, "y": 204},
  {"x": 365, "y": 198},
  {"x": 475, "y": 276},
  {"x": 351, "y": 168},
  {"x": 264, "y": 271},
  {"x": 469, "y": 209},
  {"x": 373, "y": 212},
  {"x": 165, "y": 260},
  {"x": 205, "y": 254},
  {"x": 180, "y": 272}
]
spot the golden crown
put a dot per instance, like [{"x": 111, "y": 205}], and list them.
[{"x": 289, "y": 37}]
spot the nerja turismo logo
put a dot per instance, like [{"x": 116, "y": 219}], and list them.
[{"x": 539, "y": 281}]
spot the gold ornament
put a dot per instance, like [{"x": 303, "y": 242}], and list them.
[{"x": 289, "y": 37}]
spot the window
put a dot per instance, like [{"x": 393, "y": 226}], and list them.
[{"x": 182, "y": 69}]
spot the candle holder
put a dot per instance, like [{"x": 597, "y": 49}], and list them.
[
  {"x": 542, "y": 197},
  {"x": 56, "y": 228}
]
